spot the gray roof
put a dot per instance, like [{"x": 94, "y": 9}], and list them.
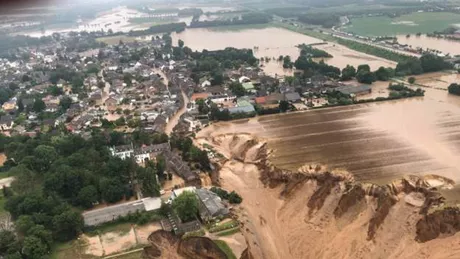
[
  {"x": 293, "y": 96},
  {"x": 99, "y": 216},
  {"x": 212, "y": 202},
  {"x": 243, "y": 109},
  {"x": 350, "y": 89}
]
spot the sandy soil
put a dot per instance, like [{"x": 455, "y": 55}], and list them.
[
  {"x": 2, "y": 158},
  {"x": 94, "y": 245},
  {"x": 278, "y": 226},
  {"x": 117, "y": 242},
  {"x": 143, "y": 232},
  {"x": 176, "y": 180}
]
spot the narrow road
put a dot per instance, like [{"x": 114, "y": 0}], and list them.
[{"x": 175, "y": 119}]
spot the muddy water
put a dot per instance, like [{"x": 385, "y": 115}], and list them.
[
  {"x": 376, "y": 142},
  {"x": 444, "y": 45},
  {"x": 273, "y": 42}
]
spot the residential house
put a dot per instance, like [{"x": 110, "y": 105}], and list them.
[
  {"x": 6, "y": 122},
  {"x": 210, "y": 205},
  {"x": 123, "y": 151},
  {"x": 292, "y": 97},
  {"x": 150, "y": 152},
  {"x": 9, "y": 105},
  {"x": 354, "y": 90},
  {"x": 249, "y": 87},
  {"x": 176, "y": 192}
]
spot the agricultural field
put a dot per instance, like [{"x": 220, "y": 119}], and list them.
[{"x": 406, "y": 24}]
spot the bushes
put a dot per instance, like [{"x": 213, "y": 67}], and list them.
[
  {"x": 233, "y": 197},
  {"x": 454, "y": 89},
  {"x": 224, "y": 226},
  {"x": 198, "y": 233}
]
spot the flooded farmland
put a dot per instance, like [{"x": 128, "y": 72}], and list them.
[
  {"x": 273, "y": 42},
  {"x": 446, "y": 46},
  {"x": 376, "y": 142}
]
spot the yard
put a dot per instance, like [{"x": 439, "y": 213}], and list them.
[{"x": 413, "y": 23}]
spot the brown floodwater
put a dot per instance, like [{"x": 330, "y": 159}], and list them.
[
  {"x": 273, "y": 42},
  {"x": 446, "y": 46},
  {"x": 376, "y": 142}
]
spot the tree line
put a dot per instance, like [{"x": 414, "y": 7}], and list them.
[
  {"x": 59, "y": 175},
  {"x": 250, "y": 18},
  {"x": 161, "y": 28}
]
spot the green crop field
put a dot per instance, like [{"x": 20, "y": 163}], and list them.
[{"x": 405, "y": 24}]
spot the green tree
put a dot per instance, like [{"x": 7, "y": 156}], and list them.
[
  {"x": 237, "y": 89},
  {"x": 7, "y": 240},
  {"x": 149, "y": 184},
  {"x": 24, "y": 223},
  {"x": 181, "y": 43},
  {"x": 284, "y": 106},
  {"x": 87, "y": 196},
  {"x": 112, "y": 190},
  {"x": 65, "y": 103},
  {"x": 383, "y": 74},
  {"x": 38, "y": 105},
  {"x": 365, "y": 77},
  {"x": 34, "y": 248},
  {"x": 234, "y": 198},
  {"x": 364, "y": 67},
  {"x": 67, "y": 225},
  {"x": 186, "y": 206},
  {"x": 454, "y": 89},
  {"x": 40, "y": 232},
  {"x": 411, "y": 80},
  {"x": 348, "y": 73}
]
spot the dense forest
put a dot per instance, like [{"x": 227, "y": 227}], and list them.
[
  {"x": 59, "y": 175},
  {"x": 325, "y": 20},
  {"x": 250, "y": 18},
  {"x": 161, "y": 28},
  {"x": 309, "y": 51}
]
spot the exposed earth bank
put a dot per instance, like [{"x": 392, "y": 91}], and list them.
[{"x": 319, "y": 213}]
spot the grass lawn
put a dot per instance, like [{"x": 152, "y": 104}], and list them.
[
  {"x": 227, "y": 250},
  {"x": 68, "y": 250},
  {"x": 228, "y": 232},
  {"x": 121, "y": 228},
  {"x": 405, "y": 24}
]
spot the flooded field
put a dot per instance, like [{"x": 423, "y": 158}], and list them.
[
  {"x": 120, "y": 19},
  {"x": 273, "y": 42},
  {"x": 376, "y": 142},
  {"x": 446, "y": 46}
]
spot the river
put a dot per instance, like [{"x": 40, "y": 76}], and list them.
[
  {"x": 376, "y": 142},
  {"x": 273, "y": 42}
]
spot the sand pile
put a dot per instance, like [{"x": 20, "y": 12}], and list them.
[{"x": 318, "y": 213}]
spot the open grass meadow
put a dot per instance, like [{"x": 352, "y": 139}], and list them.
[{"x": 423, "y": 22}]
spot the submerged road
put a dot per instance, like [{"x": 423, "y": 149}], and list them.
[{"x": 175, "y": 119}]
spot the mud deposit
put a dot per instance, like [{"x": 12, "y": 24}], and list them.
[{"x": 316, "y": 212}]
